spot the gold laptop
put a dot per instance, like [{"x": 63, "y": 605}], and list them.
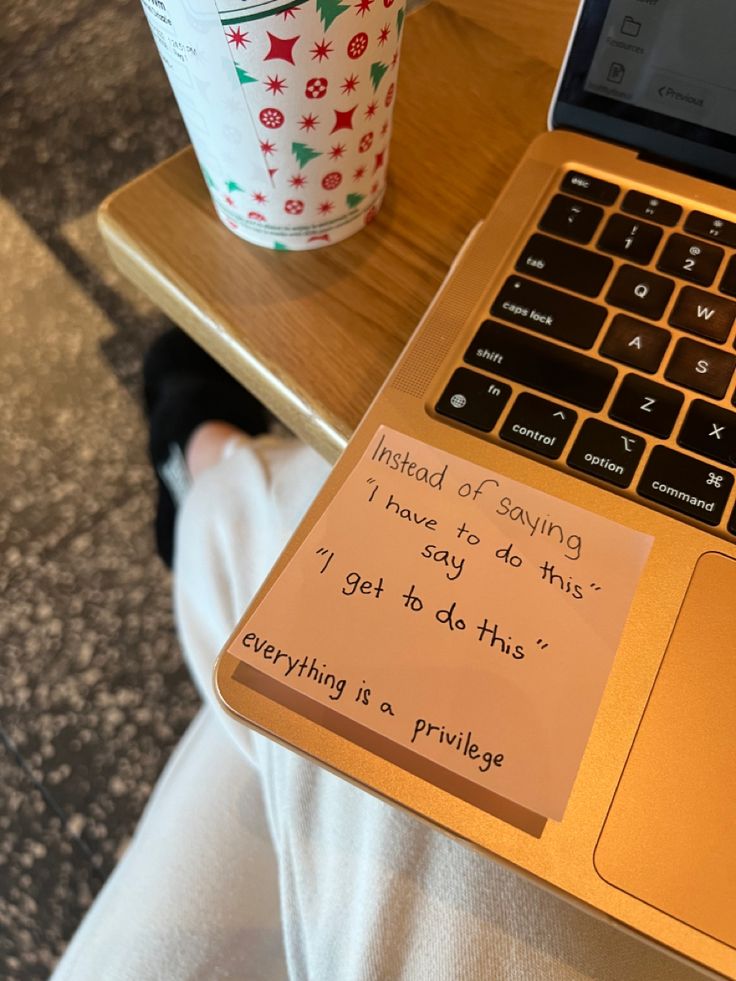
[{"x": 581, "y": 354}]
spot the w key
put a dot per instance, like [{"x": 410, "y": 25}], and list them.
[{"x": 703, "y": 313}]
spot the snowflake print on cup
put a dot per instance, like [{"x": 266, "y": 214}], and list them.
[
  {"x": 271, "y": 118},
  {"x": 316, "y": 79},
  {"x": 332, "y": 180},
  {"x": 316, "y": 88},
  {"x": 357, "y": 45}
]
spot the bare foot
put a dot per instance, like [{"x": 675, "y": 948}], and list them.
[{"x": 207, "y": 444}]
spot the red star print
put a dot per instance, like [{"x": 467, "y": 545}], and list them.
[
  {"x": 276, "y": 84},
  {"x": 343, "y": 119},
  {"x": 394, "y": 59},
  {"x": 379, "y": 160},
  {"x": 259, "y": 197},
  {"x": 237, "y": 37},
  {"x": 322, "y": 49},
  {"x": 229, "y": 200},
  {"x": 282, "y": 48},
  {"x": 371, "y": 109},
  {"x": 267, "y": 148},
  {"x": 297, "y": 180},
  {"x": 308, "y": 122},
  {"x": 337, "y": 151},
  {"x": 362, "y": 7},
  {"x": 374, "y": 188},
  {"x": 350, "y": 84},
  {"x": 359, "y": 172},
  {"x": 326, "y": 207},
  {"x": 384, "y": 128},
  {"x": 383, "y": 36}
]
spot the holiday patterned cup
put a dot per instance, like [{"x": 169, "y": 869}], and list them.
[{"x": 288, "y": 104}]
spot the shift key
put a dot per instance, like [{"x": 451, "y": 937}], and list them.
[
  {"x": 562, "y": 264},
  {"x": 549, "y": 312},
  {"x": 546, "y": 367}
]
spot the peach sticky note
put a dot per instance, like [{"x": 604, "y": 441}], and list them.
[{"x": 461, "y": 615}]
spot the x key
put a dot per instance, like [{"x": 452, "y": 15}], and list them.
[{"x": 710, "y": 431}]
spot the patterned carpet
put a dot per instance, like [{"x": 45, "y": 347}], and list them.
[{"x": 93, "y": 694}]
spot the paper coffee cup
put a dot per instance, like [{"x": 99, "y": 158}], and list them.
[{"x": 288, "y": 106}]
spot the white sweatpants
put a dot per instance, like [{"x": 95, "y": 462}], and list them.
[{"x": 252, "y": 863}]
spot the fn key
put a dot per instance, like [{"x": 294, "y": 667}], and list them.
[{"x": 473, "y": 399}]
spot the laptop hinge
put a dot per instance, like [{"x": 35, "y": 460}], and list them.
[{"x": 670, "y": 164}]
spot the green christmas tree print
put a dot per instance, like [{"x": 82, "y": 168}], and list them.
[
  {"x": 304, "y": 153},
  {"x": 243, "y": 76},
  {"x": 353, "y": 200},
  {"x": 329, "y": 10},
  {"x": 378, "y": 70}
]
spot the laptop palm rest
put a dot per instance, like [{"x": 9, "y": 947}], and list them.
[{"x": 669, "y": 838}]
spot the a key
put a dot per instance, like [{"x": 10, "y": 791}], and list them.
[
  {"x": 640, "y": 291},
  {"x": 473, "y": 399},
  {"x": 630, "y": 237},
  {"x": 548, "y": 311},
  {"x": 689, "y": 259},
  {"x": 646, "y": 405},
  {"x": 591, "y": 188},
  {"x": 709, "y": 226},
  {"x": 562, "y": 264},
  {"x": 710, "y": 431},
  {"x": 606, "y": 452},
  {"x": 571, "y": 219},
  {"x": 653, "y": 208},
  {"x": 703, "y": 313},
  {"x": 546, "y": 367},
  {"x": 700, "y": 367},
  {"x": 685, "y": 484},
  {"x": 538, "y": 425},
  {"x": 635, "y": 343}
]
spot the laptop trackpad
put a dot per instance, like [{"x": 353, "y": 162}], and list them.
[{"x": 669, "y": 838}]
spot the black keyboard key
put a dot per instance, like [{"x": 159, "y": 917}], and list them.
[
  {"x": 651, "y": 207},
  {"x": 646, "y": 405},
  {"x": 635, "y": 343},
  {"x": 550, "y": 312},
  {"x": 564, "y": 265},
  {"x": 571, "y": 219},
  {"x": 474, "y": 399},
  {"x": 606, "y": 452},
  {"x": 711, "y": 227},
  {"x": 538, "y": 425},
  {"x": 591, "y": 188},
  {"x": 684, "y": 484},
  {"x": 689, "y": 259},
  {"x": 701, "y": 368},
  {"x": 711, "y": 431},
  {"x": 546, "y": 367},
  {"x": 640, "y": 292},
  {"x": 728, "y": 283},
  {"x": 703, "y": 313},
  {"x": 628, "y": 237}
]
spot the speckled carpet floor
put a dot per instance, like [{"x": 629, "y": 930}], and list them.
[{"x": 93, "y": 694}]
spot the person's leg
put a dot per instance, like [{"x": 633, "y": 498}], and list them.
[{"x": 367, "y": 891}]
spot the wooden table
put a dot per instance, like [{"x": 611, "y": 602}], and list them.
[{"x": 313, "y": 334}]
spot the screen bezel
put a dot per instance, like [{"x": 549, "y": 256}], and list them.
[{"x": 664, "y": 137}]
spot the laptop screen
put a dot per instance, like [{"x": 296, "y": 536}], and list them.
[{"x": 659, "y": 75}]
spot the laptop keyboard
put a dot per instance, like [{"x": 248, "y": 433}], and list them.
[{"x": 611, "y": 289}]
